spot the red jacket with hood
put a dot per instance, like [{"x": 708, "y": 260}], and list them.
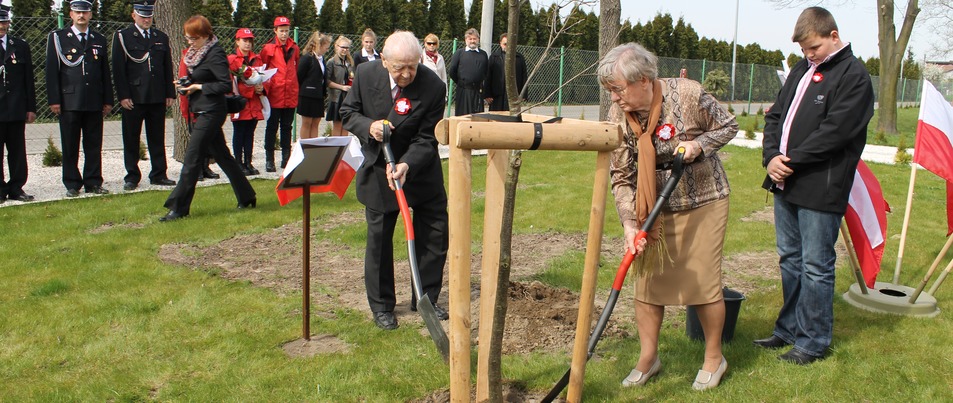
[{"x": 282, "y": 89}]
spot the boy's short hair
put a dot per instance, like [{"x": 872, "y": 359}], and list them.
[{"x": 814, "y": 20}]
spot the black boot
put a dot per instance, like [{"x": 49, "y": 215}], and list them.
[
  {"x": 250, "y": 167},
  {"x": 208, "y": 173},
  {"x": 270, "y": 161},
  {"x": 284, "y": 157}
]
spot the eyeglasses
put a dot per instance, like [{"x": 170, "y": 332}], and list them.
[
  {"x": 431, "y": 43},
  {"x": 620, "y": 91},
  {"x": 191, "y": 38}
]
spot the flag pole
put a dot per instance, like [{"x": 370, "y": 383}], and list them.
[
  {"x": 853, "y": 258},
  {"x": 306, "y": 264},
  {"x": 906, "y": 221},
  {"x": 936, "y": 262},
  {"x": 940, "y": 279}
]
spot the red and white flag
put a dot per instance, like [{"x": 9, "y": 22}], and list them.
[
  {"x": 344, "y": 172},
  {"x": 866, "y": 218},
  {"x": 934, "y": 146}
]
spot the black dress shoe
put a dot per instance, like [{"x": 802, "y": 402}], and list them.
[
  {"x": 252, "y": 169},
  {"x": 3, "y": 199},
  {"x": 799, "y": 358},
  {"x": 270, "y": 166},
  {"x": 163, "y": 182},
  {"x": 771, "y": 342},
  {"x": 385, "y": 320},
  {"x": 23, "y": 197},
  {"x": 129, "y": 186},
  {"x": 249, "y": 204},
  {"x": 209, "y": 174},
  {"x": 172, "y": 215},
  {"x": 97, "y": 190},
  {"x": 72, "y": 192}
]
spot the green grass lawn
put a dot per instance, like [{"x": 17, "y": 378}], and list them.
[
  {"x": 89, "y": 313},
  {"x": 906, "y": 125}
]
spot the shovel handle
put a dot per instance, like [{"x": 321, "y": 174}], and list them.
[{"x": 399, "y": 189}]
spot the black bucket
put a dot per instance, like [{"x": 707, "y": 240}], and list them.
[{"x": 693, "y": 328}]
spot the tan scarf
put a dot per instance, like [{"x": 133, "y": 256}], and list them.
[{"x": 646, "y": 190}]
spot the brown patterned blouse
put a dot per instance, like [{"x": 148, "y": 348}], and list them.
[{"x": 695, "y": 115}]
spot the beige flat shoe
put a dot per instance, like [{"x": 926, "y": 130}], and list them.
[
  {"x": 707, "y": 380},
  {"x": 637, "y": 378}
]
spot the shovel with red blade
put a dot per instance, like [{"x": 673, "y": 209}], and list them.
[
  {"x": 424, "y": 305},
  {"x": 623, "y": 270}
]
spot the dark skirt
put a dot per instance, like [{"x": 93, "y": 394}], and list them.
[
  {"x": 311, "y": 107},
  {"x": 334, "y": 109}
]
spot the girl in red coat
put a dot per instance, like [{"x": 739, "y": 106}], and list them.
[
  {"x": 282, "y": 90},
  {"x": 248, "y": 82}
]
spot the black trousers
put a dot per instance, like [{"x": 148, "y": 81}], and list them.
[
  {"x": 243, "y": 139},
  {"x": 13, "y": 139},
  {"x": 207, "y": 138},
  {"x": 279, "y": 117},
  {"x": 467, "y": 101},
  {"x": 431, "y": 242},
  {"x": 154, "y": 117},
  {"x": 75, "y": 125}
]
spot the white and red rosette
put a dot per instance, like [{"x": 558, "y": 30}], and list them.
[
  {"x": 817, "y": 77},
  {"x": 665, "y": 132},
  {"x": 402, "y": 106}
]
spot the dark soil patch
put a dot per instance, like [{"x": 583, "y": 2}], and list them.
[{"x": 319, "y": 344}]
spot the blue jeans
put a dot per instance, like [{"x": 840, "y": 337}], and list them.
[{"x": 805, "y": 240}]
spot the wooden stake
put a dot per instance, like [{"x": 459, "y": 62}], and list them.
[
  {"x": 492, "y": 223},
  {"x": 306, "y": 264},
  {"x": 459, "y": 257},
  {"x": 906, "y": 221},
  {"x": 587, "y": 293}
]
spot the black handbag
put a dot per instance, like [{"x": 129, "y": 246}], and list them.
[{"x": 235, "y": 103}]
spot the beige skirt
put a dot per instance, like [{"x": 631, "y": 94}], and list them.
[{"x": 692, "y": 276}]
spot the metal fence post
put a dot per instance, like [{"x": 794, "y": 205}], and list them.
[
  {"x": 59, "y": 20},
  {"x": 704, "y": 62},
  {"x": 450, "y": 82},
  {"x": 562, "y": 63},
  {"x": 750, "y": 86},
  {"x": 903, "y": 89}
]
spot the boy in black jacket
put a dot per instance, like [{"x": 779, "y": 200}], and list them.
[{"x": 813, "y": 137}]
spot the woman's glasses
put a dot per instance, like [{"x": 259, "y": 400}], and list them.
[{"x": 431, "y": 43}]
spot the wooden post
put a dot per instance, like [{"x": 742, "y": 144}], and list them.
[
  {"x": 492, "y": 224},
  {"x": 306, "y": 264},
  {"x": 459, "y": 256},
  {"x": 587, "y": 293}
]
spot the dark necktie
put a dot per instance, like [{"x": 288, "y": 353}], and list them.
[
  {"x": 145, "y": 34},
  {"x": 397, "y": 94},
  {"x": 3, "y": 53},
  {"x": 82, "y": 39}
]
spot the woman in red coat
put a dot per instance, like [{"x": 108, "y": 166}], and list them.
[
  {"x": 281, "y": 53},
  {"x": 248, "y": 83}
]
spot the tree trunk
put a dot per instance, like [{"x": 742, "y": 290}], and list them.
[
  {"x": 609, "y": 14},
  {"x": 892, "y": 48},
  {"x": 172, "y": 15}
]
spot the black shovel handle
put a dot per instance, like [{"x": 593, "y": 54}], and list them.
[{"x": 623, "y": 270}]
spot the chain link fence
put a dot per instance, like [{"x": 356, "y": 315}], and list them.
[{"x": 558, "y": 76}]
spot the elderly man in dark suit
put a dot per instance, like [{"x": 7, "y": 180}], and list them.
[
  {"x": 80, "y": 92},
  {"x": 410, "y": 100},
  {"x": 17, "y": 108},
  {"x": 142, "y": 73}
]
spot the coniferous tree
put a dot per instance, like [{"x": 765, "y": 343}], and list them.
[
  {"x": 275, "y": 8},
  {"x": 356, "y": 17},
  {"x": 438, "y": 22},
  {"x": 218, "y": 12},
  {"x": 529, "y": 25},
  {"x": 412, "y": 16},
  {"x": 331, "y": 18},
  {"x": 475, "y": 15},
  {"x": 117, "y": 11},
  {"x": 306, "y": 15},
  {"x": 456, "y": 20},
  {"x": 685, "y": 40},
  {"x": 31, "y": 8},
  {"x": 248, "y": 13}
]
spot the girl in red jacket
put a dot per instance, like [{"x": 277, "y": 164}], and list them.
[
  {"x": 247, "y": 81},
  {"x": 282, "y": 90}
]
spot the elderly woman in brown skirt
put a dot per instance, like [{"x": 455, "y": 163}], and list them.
[{"x": 680, "y": 261}]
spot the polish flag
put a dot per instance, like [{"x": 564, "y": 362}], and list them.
[
  {"x": 343, "y": 173},
  {"x": 866, "y": 218},
  {"x": 934, "y": 146}
]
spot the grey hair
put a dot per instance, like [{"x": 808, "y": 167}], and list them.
[
  {"x": 473, "y": 32},
  {"x": 402, "y": 45},
  {"x": 630, "y": 62}
]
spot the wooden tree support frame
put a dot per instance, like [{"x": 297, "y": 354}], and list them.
[{"x": 465, "y": 133}]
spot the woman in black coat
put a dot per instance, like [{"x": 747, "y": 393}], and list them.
[
  {"x": 209, "y": 82},
  {"x": 311, "y": 84}
]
